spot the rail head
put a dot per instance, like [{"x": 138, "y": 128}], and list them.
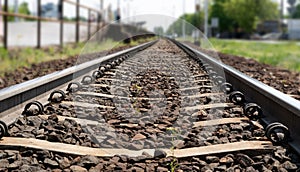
[
  {"x": 16, "y": 94},
  {"x": 277, "y": 106}
]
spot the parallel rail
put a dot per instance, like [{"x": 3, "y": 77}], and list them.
[
  {"x": 17, "y": 96},
  {"x": 276, "y": 107}
]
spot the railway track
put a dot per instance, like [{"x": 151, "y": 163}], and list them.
[{"x": 160, "y": 106}]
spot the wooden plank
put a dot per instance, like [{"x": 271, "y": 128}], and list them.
[
  {"x": 196, "y": 87},
  {"x": 143, "y": 98},
  {"x": 99, "y": 85},
  {"x": 110, "y": 79},
  {"x": 202, "y": 95},
  {"x": 83, "y": 104},
  {"x": 78, "y": 120},
  {"x": 200, "y": 75},
  {"x": 110, "y": 73},
  {"x": 210, "y": 106},
  {"x": 294, "y": 96},
  {"x": 10, "y": 142},
  {"x": 220, "y": 121},
  {"x": 181, "y": 89},
  {"x": 221, "y": 148},
  {"x": 98, "y": 94},
  {"x": 68, "y": 148},
  {"x": 27, "y": 16},
  {"x": 196, "y": 124},
  {"x": 202, "y": 80}
]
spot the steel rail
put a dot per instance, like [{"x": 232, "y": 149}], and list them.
[
  {"x": 17, "y": 94},
  {"x": 277, "y": 106}
]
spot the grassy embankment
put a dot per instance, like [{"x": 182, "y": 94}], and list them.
[
  {"x": 284, "y": 54},
  {"x": 14, "y": 58}
]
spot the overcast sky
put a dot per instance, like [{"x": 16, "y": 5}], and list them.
[
  {"x": 172, "y": 8},
  {"x": 136, "y": 7}
]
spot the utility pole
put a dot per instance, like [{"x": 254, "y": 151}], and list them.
[
  {"x": 183, "y": 20},
  {"x": 16, "y": 10},
  {"x": 281, "y": 15},
  {"x": 118, "y": 5},
  {"x": 102, "y": 11},
  {"x": 197, "y": 31},
  {"x": 206, "y": 18},
  {"x": 281, "y": 9}
]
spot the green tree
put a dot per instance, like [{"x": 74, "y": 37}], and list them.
[
  {"x": 192, "y": 21},
  {"x": 226, "y": 23},
  {"x": 23, "y": 8},
  {"x": 159, "y": 30},
  {"x": 247, "y": 13},
  {"x": 296, "y": 13}
]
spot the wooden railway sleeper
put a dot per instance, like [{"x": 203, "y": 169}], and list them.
[
  {"x": 215, "y": 77},
  {"x": 103, "y": 68},
  {"x": 252, "y": 110}
]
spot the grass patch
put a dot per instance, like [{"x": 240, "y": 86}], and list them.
[
  {"x": 14, "y": 58},
  {"x": 285, "y": 55}
]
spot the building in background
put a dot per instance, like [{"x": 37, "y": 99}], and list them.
[
  {"x": 294, "y": 29},
  {"x": 50, "y": 10},
  {"x": 269, "y": 26}
]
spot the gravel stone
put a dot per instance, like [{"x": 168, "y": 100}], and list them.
[
  {"x": 76, "y": 168},
  {"x": 289, "y": 166},
  {"x": 212, "y": 159},
  {"x": 159, "y": 153},
  {"x": 4, "y": 163},
  {"x": 50, "y": 162}
]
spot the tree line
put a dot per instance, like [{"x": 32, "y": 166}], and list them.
[{"x": 235, "y": 15}]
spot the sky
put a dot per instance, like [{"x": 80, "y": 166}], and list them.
[{"x": 171, "y": 8}]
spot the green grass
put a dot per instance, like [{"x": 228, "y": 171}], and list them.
[
  {"x": 285, "y": 55},
  {"x": 14, "y": 58}
]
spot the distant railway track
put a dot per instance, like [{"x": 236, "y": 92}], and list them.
[{"x": 156, "y": 107}]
